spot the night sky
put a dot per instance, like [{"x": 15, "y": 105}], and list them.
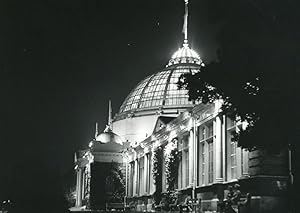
[{"x": 60, "y": 63}]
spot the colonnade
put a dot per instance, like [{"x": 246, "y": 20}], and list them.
[{"x": 216, "y": 162}]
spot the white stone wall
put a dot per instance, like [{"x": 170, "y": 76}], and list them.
[{"x": 135, "y": 129}]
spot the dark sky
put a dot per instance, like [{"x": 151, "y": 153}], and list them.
[{"x": 61, "y": 61}]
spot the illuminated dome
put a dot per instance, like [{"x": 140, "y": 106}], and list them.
[
  {"x": 185, "y": 55},
  {"x": 160, "y": 90},
  {"x": 157, "y": 95}
]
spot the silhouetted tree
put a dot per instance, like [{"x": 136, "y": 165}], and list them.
[{"x": 257, "y": 71}]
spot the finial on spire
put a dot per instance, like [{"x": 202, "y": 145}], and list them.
[{"x": 185, "y": 23}]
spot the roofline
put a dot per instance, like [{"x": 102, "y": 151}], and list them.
[{"x": 157, "y": 110}]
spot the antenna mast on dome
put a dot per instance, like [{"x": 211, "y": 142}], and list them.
[
  {"x": 96, "y": 130},
  {"x": 185, "y": 23},
  {"x": 109, "y": 114}
]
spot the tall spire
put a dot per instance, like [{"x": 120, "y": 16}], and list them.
[
  {"x": 109, "y": 122},
  {"x": 109, "y": 114},
  {"x": 185, "y": 23},
  {"x": 108, "y": 136},
  {"x": 96, "y": 130}
]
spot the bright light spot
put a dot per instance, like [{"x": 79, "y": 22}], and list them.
[
  {"x": 172, "y": 134},
  {"x": 190, "y": 124},
  {"x": 185, "y": 55}
]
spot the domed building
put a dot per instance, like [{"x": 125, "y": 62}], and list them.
[
  {"x": 155, "y": 96},
  {"x": 167, "y": 145}
]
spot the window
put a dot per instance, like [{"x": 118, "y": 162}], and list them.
[
  {"x": 184, "y": 162},
  {"x": 206, "y": 153},
  {"x": 233, "y": 163},
  {"x": 232, "y": 150},
  {"x": 210, "y": 162},
  {"x": 203, "y": 163},
  {"x": 237, "y": 157}
]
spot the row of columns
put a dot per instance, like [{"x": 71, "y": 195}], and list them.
[
  {"x": 134, "y": 177},
  {"x": 219, "y": 158}
]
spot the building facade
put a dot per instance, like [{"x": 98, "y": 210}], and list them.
[
  {"x": 156, "y": 115},
  {"x": 209, "y": 161}
]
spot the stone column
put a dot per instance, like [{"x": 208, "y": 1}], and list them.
[
  {"x": 135, "y": 182},
  {"x": 191, "y": 157},
  {"x": 79, "y": 188},
  {"x": 224, "y": 148},
  {"x": 83, "y": 183},
  {"x": 145, "y": 173},
  {"x": 130, "y": 181},
  {"x": 218, "y": 150},
  {"x": 126, "y": 178},
  {"x": 195, "y": 159}
]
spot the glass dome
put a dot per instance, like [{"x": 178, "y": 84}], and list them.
[{"x": 160, "y": 90}]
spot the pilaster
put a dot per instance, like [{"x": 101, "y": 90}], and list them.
[
  {"x": 218, "y": 150},
  {"x": 79, "y": 188}
]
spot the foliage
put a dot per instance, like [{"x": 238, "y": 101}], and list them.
[
  {"x": 69, "y": 187},
  {"x": 257, "y": 71},
  {"x": 119, "y": 183},
  {"x": 172, "y": 169},
  {"x": 172, "y": 165},
  {"x": 70, "y": 196},
  {"x": 171, "y": 196},
  {"x": 157, "y": 172}
]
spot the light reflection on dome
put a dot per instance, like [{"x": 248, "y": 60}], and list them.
[{"x": 160, "y": 90}]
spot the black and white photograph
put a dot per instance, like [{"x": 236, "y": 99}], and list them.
[{"x": 148, "y": 106}]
